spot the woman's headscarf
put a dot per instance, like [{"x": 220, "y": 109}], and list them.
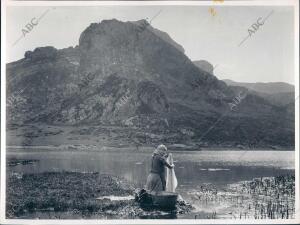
[{"x": 161, "y": 150}]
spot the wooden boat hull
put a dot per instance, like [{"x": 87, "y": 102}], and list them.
[{"x": 164, "y": 200}]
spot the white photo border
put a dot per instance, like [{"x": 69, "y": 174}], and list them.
[{"x": 5, "y": 4}]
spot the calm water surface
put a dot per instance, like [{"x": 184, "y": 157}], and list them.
[{"x": 192, "y": 168}]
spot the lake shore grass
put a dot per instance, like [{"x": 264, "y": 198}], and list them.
[
  {"x": 49, "y": 193},
  {"x": 73, "y": 195}
]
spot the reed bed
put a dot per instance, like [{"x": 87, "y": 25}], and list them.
[{"x": 263, "y": 198}]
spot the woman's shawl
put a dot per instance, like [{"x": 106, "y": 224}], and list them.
[
  {"x": 161, "y": 150},
  {"x": 171, "y": 180}
]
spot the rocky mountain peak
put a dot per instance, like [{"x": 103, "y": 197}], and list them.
[{"x": 122, "y": 70}]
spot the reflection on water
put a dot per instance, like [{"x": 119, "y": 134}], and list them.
[{"x": 192, "y": 168}]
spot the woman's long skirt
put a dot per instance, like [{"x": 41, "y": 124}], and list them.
[{"x": 154, "y": 183}]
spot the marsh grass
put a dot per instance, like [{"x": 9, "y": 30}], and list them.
[
  {"x": 264, "y": 198},
  {"x": 73, "y": 195},
  {"x": 70, "y": 192}
]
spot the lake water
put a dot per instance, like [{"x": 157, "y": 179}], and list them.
[{"x": 192, "y": 168}]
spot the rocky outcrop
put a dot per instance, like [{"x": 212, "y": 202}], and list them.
[{"x": 204, "y": 65}]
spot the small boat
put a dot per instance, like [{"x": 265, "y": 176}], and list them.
[{"x": 162, "y": 200}]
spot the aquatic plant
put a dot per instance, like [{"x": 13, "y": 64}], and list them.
[{"x": 263, "y": 198}]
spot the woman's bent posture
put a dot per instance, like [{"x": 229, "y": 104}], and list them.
[{"x": 156, "y": 180}]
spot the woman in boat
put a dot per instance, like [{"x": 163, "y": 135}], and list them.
[{"x": 156, "y": 180}]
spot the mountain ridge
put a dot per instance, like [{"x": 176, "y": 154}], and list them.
[
  {"x": 277, "y": 93},
  {"x": 267, "y": 87},
  {"x": 123, "y": 75}
]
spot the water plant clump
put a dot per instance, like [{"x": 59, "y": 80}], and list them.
[
  {"x": 49, "y": 194},
  {"x": 263, "y": 198}
]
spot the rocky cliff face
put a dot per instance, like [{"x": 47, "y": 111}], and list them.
[{"x": 133, "y": 74}]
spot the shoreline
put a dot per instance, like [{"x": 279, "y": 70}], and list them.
[
  {"x": 133, "y": 148},
  {"x": 96, "y": 137}
]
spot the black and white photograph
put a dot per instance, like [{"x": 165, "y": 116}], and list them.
[{"x": 149, "y": 112}]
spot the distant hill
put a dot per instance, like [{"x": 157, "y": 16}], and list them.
[
  {"x": 277, "y": 93},
  {"x": 269, "y": 88}
]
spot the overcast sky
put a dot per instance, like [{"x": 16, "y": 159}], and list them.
[{"x": 266, "y": 56}]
